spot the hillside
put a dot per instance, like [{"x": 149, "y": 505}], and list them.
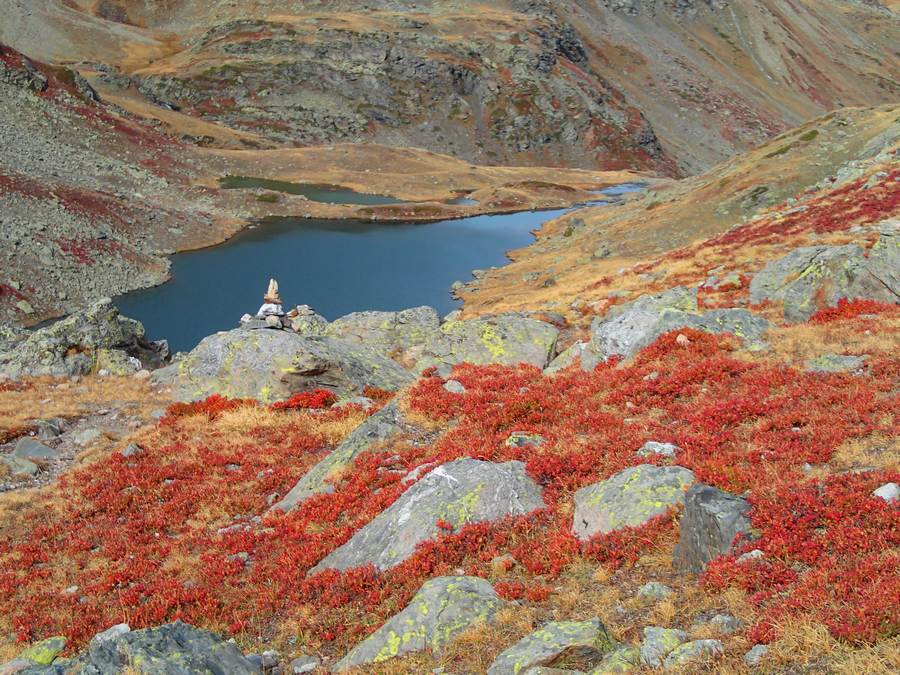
[
  {"x": 522, "y": 499},
  {"x": 672, "y": 87}
]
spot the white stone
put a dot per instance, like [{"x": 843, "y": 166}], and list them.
[
  {"x": 270, "y": 309},
  {"x": 889, "y": 492}
]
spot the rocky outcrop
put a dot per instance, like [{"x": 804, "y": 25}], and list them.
[
  {"x": 272, "y": 364},
  {"x": 812, "y": 277},
  {"x": 658, "y": 643},
  {"x": 582, "y": 642},
  {"x": 172, "y": 649},
  {"x": 712, "y": 519},
  {"x": 460, "y": 492},
  {"x": 380, "y": 427},
  {"x": 98, "y": 337},
  {"x": 441, "y": 610},
  {"x": 629, "y": 499},
  {"x": 628, "y": 328}
]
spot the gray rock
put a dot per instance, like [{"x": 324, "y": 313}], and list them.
[
  {"x": 73, "y": 345},
  {"x": 631, "y": 326},
  {"x": 29, "y": 448},
  {"x": 726, "y": 624},
  {"x": 628, "y": 328},
  {"x": 658, "y": 643},
  {"x": 835, "y": 363},
  {"x": 110, "y": 634},
  {"x": 131, "y": 450},
  {"x": 691, "y": 652},
  {"x": 454, "y": 387},
  {"x": 18, "y": 466},
  {"x": 404, "y": 332},
  {"x": 623, "y": 659},
  {"x": 85, "y": 437},
  {"x": 750, "y": 556},
  {"x": 889, "y": 492},
  {"x": 386, "y": 423},
  {"x": 459, "y": 492},
  {"x": 522, "y": 439},
  {"x": 443, "y": 608},
  {"x": 303, "y": 664},
  {"x": 655, "y": 448},
  {"x": 655, "y": 590},
  {"x": 585, "y": 641},
  {"x": 362, "y": 401},
  {"x": 508, "y": 339},
  {"x": 810, "y": 277},
  {"x": 711, "y": 521},
  {"x": 566, "y": 358},
  {"x": 756, "y": 655},
  {"x": 172, "y": 649},
  {"x": 47, "y": 430},
  {"x": 271, "y": 364},
  {"x": 629, "y": 498}
]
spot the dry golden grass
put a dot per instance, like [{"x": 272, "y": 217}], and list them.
[
  {"x": 796, "y": 343},
  {"x": 812, "y": 643},
  {"x": 62, "y": 398}
]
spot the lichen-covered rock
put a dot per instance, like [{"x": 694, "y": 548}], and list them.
[
  {"x": 691, "y": 652},
  {"x": 629, "y": 498},
  {"x": 272, "y": 364},
  {"x": 654, "y": 590},
  {"x": 29, "y": 448},
  {"x": 172, "y": 649},
  {"x": 628, "y": 328},
  {"x": 567, "y": 357},
  {"x": 712, "y": 518},
  {"x": 623, "y": 659},
  {"x": 443, "y": 608},
  {"x": 812, "y": 277},
  {"x": 508, "y": 339},
  {"x": 835, "y": 363},
  {"x": 72, "y": 346},
  {"x": 45, "y": 652},
  {"x": 651, "y": 448},
  {"x": 584, "y": 641},
  {"x": 658, "y": 643},
  {"x": 405, "y": 332},
  {"x": 387, "y": 422},
  {"x": 19, "y": 466},
  {"x": 459, "y": 492}
]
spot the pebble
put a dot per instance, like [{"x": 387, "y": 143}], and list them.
[
  {"x": 756, "y": 655},
  {"x": 454, "y": 387},
  {"x": 303, "y": 664}
]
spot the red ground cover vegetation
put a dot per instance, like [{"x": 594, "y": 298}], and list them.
[{"x": 156, "y": 536}]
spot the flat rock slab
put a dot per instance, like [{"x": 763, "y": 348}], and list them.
[
  {"x": 378, "y": 428},
  {"x": 712, "y": 519},
  {"x": 583, "y": 641},
  {"x": 270, "y": 365},
  {"x": 443, "y": 608},
  {"x": 693, "y": 652},
  {"x": 459, "y": 492},
  {"x": 29, "y": 448},
  {"x": 629, "y": 498}
]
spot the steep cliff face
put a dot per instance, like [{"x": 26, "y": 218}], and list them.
[{"x": 672, "y": 86}]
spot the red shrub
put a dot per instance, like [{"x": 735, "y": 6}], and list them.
[{"x": 310, "y": 400}]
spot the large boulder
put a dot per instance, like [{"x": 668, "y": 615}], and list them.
[
  {"x": 628, "y": 328},
  {"x": 386, "y": 423},
  {"x": 508, "y": 339},
  {"x": 443, "y": 608},
  {"x": 172, "y": 649},
  {"x": 459, "y": 492},
  {"x": 584, "y": 642},
  {"x": 712, "y": 519},
  {"x": 74, "y": 345},
  {"x": 812, "y": 277},
  {"x": 405, "y": 332},
  {"x": 629, "y": 498},
  {"x": 273, "y": 364}
]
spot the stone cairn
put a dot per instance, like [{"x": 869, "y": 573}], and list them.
[{"x": 271, "y": 314}]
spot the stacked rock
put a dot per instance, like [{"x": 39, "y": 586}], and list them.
[{"x": 271, "y": 314}]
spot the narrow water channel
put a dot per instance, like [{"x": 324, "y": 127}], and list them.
[{"x": 338, "y": 267}]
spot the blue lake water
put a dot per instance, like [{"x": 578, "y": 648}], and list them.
[{"x": 338, "y": 267}]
